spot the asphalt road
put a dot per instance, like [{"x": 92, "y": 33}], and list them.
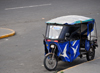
[{"x": 24, "y": 52}]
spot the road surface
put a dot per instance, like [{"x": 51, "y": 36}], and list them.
[{"x": 24, "y": 52}]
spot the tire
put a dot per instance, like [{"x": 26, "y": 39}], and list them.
[
  {"x": 90, "y": 54},
  {"x": 49, "y": 63}
]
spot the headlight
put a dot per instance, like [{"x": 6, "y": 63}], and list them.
[{"x": 52, "y": 46}]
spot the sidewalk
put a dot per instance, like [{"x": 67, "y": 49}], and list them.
[
  {"x": 87, "y": 67},
  {"x": 5, "y": 32}
]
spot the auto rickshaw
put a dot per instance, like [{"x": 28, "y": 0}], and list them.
[{"x": 67, "y": 38}]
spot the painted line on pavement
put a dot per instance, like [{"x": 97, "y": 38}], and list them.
[
  {"x": 77, "y": 65},
  {"x": 7, "y": 35},
  {"x": 28, "y": 6}
]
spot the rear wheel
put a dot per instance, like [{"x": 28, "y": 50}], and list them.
[
  {"x": 50, "y": 62},
  {"x": 90, "y": 54}
]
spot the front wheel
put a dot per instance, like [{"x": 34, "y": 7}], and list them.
[
  {"x": 90, "y": 54},
  {"x": 50, "y": 62}
]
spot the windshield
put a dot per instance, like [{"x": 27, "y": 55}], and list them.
[
  {"x": 53, "y": 31},
  {"x": 60, "y": 32}
]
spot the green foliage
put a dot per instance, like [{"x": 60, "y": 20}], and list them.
[{"x": 61, "y": 72}]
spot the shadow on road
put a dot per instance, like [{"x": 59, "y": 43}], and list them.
[{"x": 65, "y": 65}]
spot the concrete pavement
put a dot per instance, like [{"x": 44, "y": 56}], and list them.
[
  {"x": 5, "y": 32},
  {"x": 86, "y": 67}
]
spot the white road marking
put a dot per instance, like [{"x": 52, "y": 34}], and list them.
[
  {"x": 27, "y": 6},
  {"x": 6, "y": 39},
  {"x": 42, "y": 65}
]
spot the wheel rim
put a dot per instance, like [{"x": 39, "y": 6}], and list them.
[{"x": 51, "y": 62}]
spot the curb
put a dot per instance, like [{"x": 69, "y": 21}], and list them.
[
  {"x": 62, "y": 71},
  {"x": 7, "y": 35}
]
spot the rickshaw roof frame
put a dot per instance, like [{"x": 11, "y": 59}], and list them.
[
  {"x": 70, "y": 20},
  {"x": 86, "y": 20}
]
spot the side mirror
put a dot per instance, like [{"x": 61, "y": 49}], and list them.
[{"x": 67, "y": 35}]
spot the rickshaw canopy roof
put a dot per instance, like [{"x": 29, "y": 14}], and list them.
[{"x": 70, "y": 20}]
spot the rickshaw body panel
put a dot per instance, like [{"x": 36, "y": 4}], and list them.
[{"x": 67, "y": 51}]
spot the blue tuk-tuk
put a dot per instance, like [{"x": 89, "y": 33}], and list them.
[{"x": 67, "y": 38}]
